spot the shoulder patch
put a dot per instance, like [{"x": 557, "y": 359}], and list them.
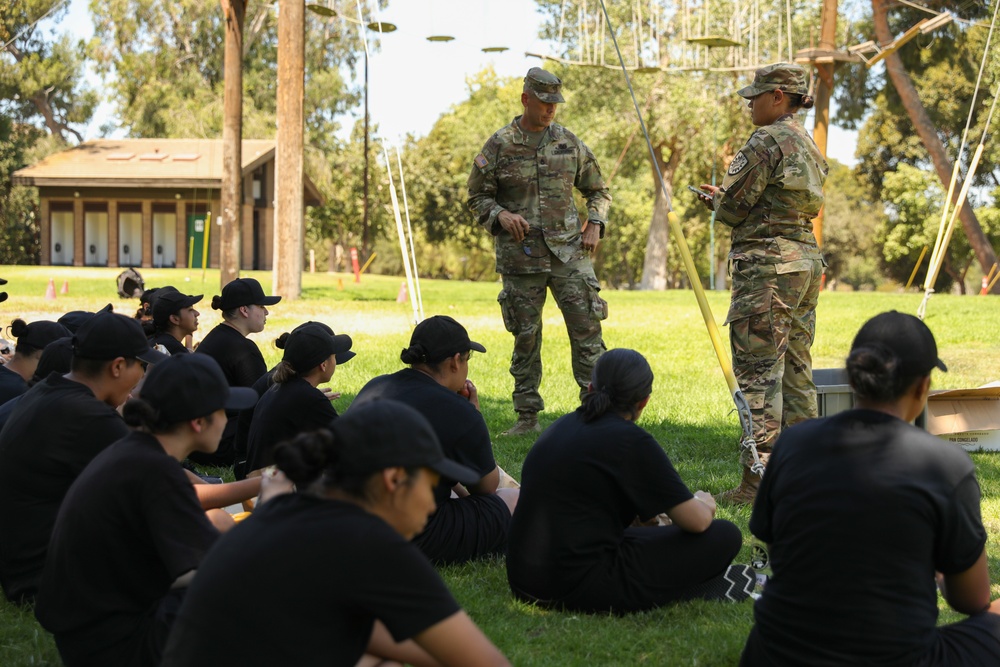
[
  {"x": 481, "y": 161},
  {"x": 738, "y": 163}
]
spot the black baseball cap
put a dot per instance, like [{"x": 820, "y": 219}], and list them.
[
  {"x": 40, "y": 333},
  {"x": 3, "y": 295},
  {"x": 188, "y": 386},
  {"x": 440, "y": 337},
  {"x": 383, "y": 433},
  {"x": 75, "y": 319},
  {"x": 57, "y": 357},
  {"x": 308, "y": 345},
  {"x": 106, "y": 336},
  {"x": 243, "y": 292},
  {"x": 170, "y": 303},
  {"x": 906, "y": 336}
]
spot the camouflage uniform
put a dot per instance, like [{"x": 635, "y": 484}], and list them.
[
  {"x": 536, "y": 181},
  {"x": 771, "y": 192}
]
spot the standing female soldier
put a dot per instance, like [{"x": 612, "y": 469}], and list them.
[{"x": 771, "y": 192}]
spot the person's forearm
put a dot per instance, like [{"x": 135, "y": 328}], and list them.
[{"x": 215, "y": 496}]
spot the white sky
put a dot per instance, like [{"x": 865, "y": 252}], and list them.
[{"x": 413, "y": 81}]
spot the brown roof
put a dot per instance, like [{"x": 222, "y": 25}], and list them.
[{"x": 146, "y": 163}]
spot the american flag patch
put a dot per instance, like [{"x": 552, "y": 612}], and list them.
[{"x": 481, "y": 161}]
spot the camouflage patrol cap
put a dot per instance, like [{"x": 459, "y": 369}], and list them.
[
  {"x": 545, "y": 85},
  {"x": 787, "y": 77}
]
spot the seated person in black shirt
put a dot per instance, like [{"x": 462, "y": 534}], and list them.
[
  {"x": 56, "y": 429},
  {"x": 244, "y": 312},
  {"x": 473, "y": 522},
  {"x": 294, "y": 403},
  {"x": 585, "y": 480},
  {"x": 863, "y": 512},
  {"x": 174, "y": 319},
  {"x": 56, "y": 358},
  {"x": 31, "y": 340},
  {"x": 131, "y": 532},
  {"x": 333, "y": 574}
]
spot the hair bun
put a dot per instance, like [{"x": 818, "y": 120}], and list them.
[
  {"x": 281, "y": 341},
  {"x": 18, "y": 328},
  {"x": 216, "y": 303},
  {"x": 808, "y": 102}
]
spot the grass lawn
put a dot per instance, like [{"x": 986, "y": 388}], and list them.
[{"x": 690, "y": 414}]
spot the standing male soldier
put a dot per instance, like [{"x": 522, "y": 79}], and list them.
[{"x": 521, "y": 190}]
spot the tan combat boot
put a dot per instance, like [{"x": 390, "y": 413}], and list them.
[
  {"x": 745, "y": 492},
  {"x": 527, "y": 422}
]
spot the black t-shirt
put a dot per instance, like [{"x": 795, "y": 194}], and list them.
[
  {"x": 242, "y": 363},
  {"x": 859, "y": 510},
  {"x": 463, "y": 433},
  {"x": 301, "y": 582},
  {"x": 11, "y": 384},
  {"x": 57, "y": 428},
  {"x": 238, "y": 356},
  {"x": 130, "y": 525},
  {"x": 284, "y": 411},
  {"x": 582, "y": 484},
  {"x": 173, "y": 345}
]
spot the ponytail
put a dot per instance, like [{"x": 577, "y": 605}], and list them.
[{"x": 621, "y": 379}]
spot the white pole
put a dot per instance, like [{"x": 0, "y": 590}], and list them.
[
  {"x": 409, "y": 232},
  {"x": 401, "y": 235}
]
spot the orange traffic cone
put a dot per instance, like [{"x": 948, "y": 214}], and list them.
[
  {"x": 404, "y": 294},
  {"x": 65, "y": 287},
  {"x": 50, "y": 291}
]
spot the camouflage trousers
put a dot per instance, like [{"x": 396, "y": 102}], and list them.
[
  {"x": 576, "y": 290},
  {"x": 772, "y": 323}
]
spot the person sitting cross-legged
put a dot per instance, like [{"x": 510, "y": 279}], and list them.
[
  {"x": 585, "y": 481},
  {"x": 475, "y": 523},
  {"x": 131, "y": 530},
  {"x": 325, "y": 575},
  {"x": 862, "y": 512}
]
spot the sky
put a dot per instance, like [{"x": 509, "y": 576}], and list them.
[{"x": 413, "y": 81}]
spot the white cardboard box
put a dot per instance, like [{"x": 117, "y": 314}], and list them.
[{"x": 968, "y": 417}]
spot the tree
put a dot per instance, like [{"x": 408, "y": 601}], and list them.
[
  {"x": 932, "y": 85},
  {"x": 43, "y": 103},
  {"x": 852, "y": 220}
]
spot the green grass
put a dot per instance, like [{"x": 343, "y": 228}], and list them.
[{"x": 690, "y": 413}]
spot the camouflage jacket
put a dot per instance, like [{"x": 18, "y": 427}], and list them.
[
  {"x": 771, "y": 192},
  {"x": 510, "y": 174}
]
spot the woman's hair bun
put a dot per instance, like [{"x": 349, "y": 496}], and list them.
[
  {"x": 281, "y": 341},
  {"x": 216, "y": 302},
  {"x": 808, "y": 102},
  {"x": 18, "y": 328}
]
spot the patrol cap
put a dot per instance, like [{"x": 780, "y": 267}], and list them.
[
  {"x": 545, "y": 85},
  {"x": 188, "y": 386},
  {"x": 787, "y": 77},
  {"x": 906, "y": 336},
  {"x": 383, "y": 433}
]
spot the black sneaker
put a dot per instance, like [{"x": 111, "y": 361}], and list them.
[{"x": 735, "y": 585}]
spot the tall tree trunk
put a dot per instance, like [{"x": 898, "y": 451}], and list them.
[
  {"x": 289, "y": 222},
  {"x": 929, "y": 137},
  {"x": 232, "y": 143},
  {"x": 654, "y": 265}
]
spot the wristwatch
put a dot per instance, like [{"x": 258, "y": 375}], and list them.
[{"x": 599, "y": 224}]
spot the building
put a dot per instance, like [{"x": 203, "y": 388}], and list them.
[{"x": 151, "y": 203}]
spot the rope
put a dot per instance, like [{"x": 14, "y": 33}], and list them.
[
  {"x": 941, "y": 243},
  {"x": 742, "y": 407}
]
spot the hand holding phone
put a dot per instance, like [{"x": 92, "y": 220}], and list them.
[{"x": 698, "y": 191}]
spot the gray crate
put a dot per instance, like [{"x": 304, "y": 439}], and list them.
[{"x": 833, "y": 393}]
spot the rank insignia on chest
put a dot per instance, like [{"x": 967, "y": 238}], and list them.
[
  {"x": 481, "y": 161},
  {"x": 737, "y": 164}
]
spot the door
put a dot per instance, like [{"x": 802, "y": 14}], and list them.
[
  {"x": 95, "y": 235},
  {"x": 196, "y": 239},
  {"x": 165, "y": 240},
  {"x": 130, "y": 238},
  {"x": 62, "y": 237}
]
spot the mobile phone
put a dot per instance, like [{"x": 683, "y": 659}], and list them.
[{"x": 698, "y": 191}]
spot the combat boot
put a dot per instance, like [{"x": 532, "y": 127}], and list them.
[
  {"x": 527, "y": 422},
  {"x": 745, "y": 492}
]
